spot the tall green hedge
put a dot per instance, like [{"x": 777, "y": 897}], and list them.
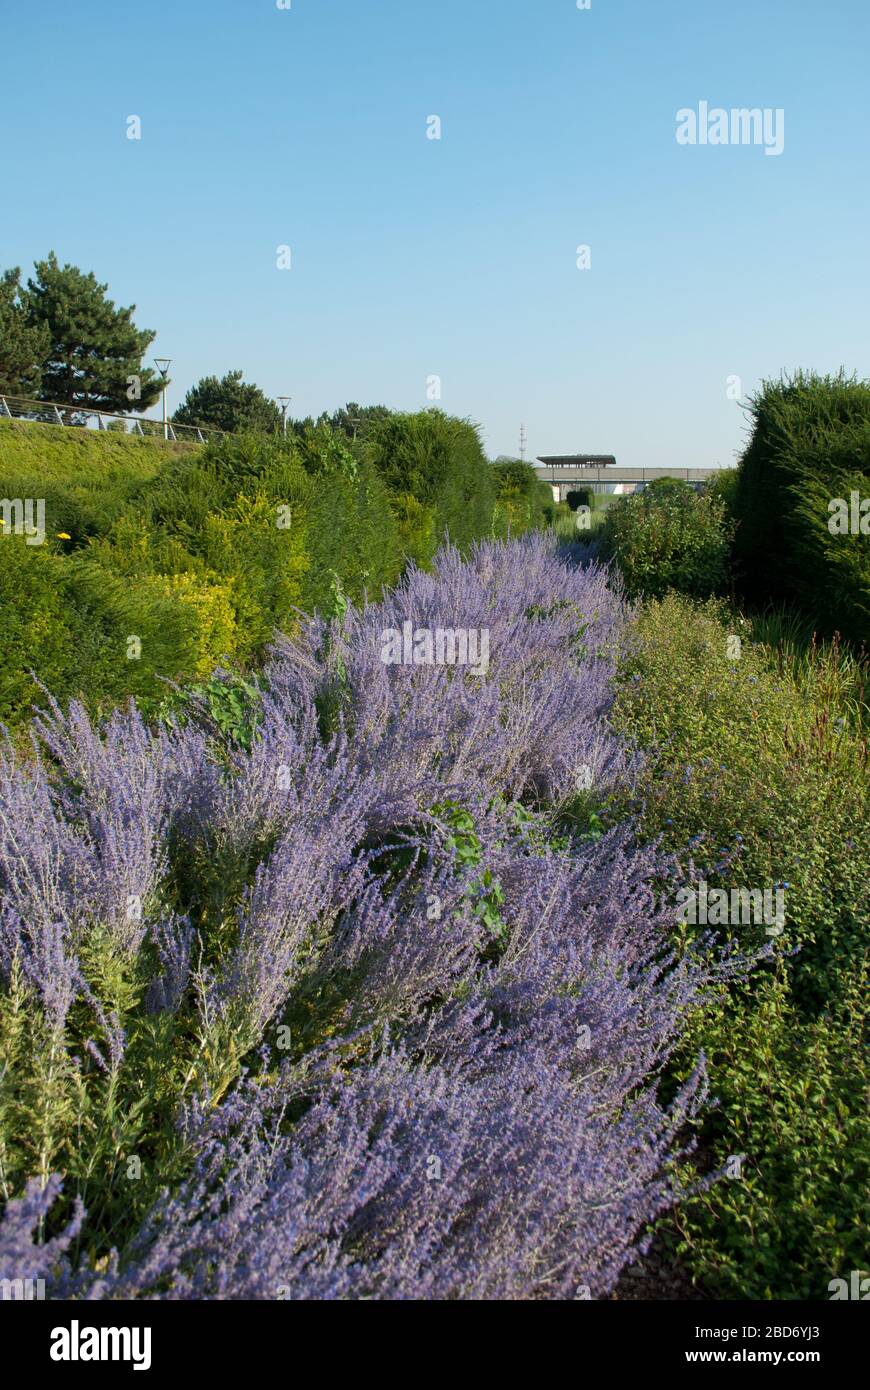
[
  {"x": 523, "y": 502},
  {"x": 810, "y": 445},
  {"x": 438, "y": 461}
]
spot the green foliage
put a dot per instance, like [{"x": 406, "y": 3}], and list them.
[
  {"x": 668, "y": 537},
  {"x": 23, "y": 347},
  {"x": 164, "y": 561},
  {"x": 723, "y": 487},
  {"x": 38, "y": 640},
  {"x": 229, "y": 403},
  {"x": 87, "y": 479},
  {"x": 521, "y": 500},
  {"x": 580, "y": 497},
  {"x": 228, "y": 702},
  {"x": 485, "y": 894},
  {"x": 79, "y": 631},
  {"x": 810, "y": 444},
  {"x": 94, "y": 347},
  {"x": 354, "y": 421},
  {"x": 758, "y": 774},
  {"x": 439, "y": 461}
]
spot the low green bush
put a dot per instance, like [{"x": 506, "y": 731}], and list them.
[
  {"x": 73, "y": 628},
  {"x": 580, "y": 497},
  {"x": 669, "y": 537}
]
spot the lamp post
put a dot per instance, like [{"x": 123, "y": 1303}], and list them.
[
  {"x": 285, "y": 402},
  {"x": 162, "y": 364}
]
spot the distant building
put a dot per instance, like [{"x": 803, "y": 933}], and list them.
[
  {"x": 566, "y": 472},
  {"x": 577, "y": 461}
]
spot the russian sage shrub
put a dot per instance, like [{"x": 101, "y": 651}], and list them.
[{"x": 378, "y": 1028}]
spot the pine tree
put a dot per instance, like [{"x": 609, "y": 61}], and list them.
[
  {"x": 23, "y": 349},
  {"x": 229, "y": 404},
  {"x": 95, "y": 350}
]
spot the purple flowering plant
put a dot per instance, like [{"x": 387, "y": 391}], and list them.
[{"x": 358, "y": 1005}]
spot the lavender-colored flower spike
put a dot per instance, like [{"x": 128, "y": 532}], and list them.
[{"x": 473, "y": 1111}]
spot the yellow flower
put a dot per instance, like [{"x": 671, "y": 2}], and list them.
[{"x": 63, "y": 535}]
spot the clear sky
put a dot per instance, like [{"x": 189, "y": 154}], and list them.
[{"x": 412, "y": 258}]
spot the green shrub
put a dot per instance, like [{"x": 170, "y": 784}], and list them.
[
  {"x": 37, "y": 636},
  {"x": 193, "y": 557},
  {"x": 439, "y": 460},
  {"x": 73, "y": 627},
  {"x": 521, "y": 499},
  {"x": 723, "y": 487},
  {"x": 86, "y": 478},
  {"x": 669, "y": 537},
  {"x": 580, "y": 497},
  {"x": 810, "y": 444},
  {"x": 757, "y": 774}
]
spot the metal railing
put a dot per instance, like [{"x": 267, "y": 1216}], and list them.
[{"x": 84, "y": 417}]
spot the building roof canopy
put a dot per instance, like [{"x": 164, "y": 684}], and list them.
[{"x": 577, "y": 460}]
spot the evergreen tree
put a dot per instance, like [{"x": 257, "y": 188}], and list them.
[
  {"x": 23, "y": 349},
  {"x": 356, "y": 420},
  {"x": 229, "y": 404},
  {"x": 95, "y": 350}
]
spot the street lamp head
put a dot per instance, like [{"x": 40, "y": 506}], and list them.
[
  {"x": 285, "y": 401},
  {"x": 162, "y": 364}
]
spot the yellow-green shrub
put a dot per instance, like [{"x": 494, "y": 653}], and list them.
[{"x": 216, "y": 636}]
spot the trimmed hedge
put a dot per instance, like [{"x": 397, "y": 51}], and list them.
[
  {"x": 439, "y": 462},
  {"x": 810, "y": 445},
  {"x": 523, "y": 502}
]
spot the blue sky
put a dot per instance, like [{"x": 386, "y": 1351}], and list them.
[{"x": 414, "y": 258}]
